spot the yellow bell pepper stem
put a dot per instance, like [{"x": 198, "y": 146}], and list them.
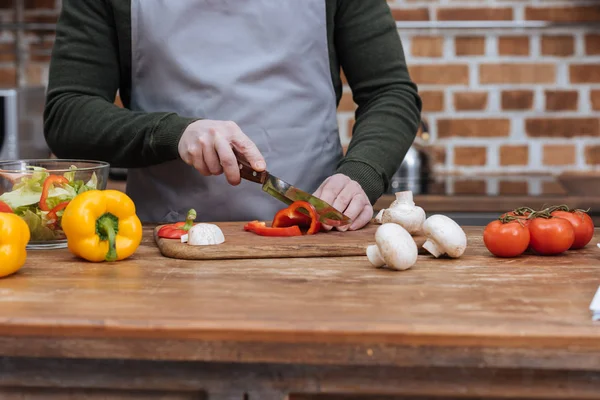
[
  {"x": 107, "y": 227},
  {"x": 101, "y": 225},
  {"x": 14, "y": 236}
]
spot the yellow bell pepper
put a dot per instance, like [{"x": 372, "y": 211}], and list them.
[
  {"x": 101, "y": 225},
  {"x": 14, "y": 236}
]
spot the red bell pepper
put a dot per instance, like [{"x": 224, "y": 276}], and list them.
[
  {"x": 178, "y": 229},
  {"x": 5, "y": 208},
  {"x": 52, "y": 213},
  {"x": 260, "y": 228},
  {"x": 49, "y": 181},
  {"x": 293, "y": 216}
]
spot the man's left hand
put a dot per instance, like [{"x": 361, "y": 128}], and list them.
[{"x": 348, "y": 197}]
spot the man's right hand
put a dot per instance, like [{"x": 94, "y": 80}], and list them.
[{"x": 207, "y": 146}]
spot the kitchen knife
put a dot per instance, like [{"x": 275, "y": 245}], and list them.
[{"x": 287, "y": 193}]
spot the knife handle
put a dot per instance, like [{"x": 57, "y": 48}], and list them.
[{"x": 248, "y": 173}]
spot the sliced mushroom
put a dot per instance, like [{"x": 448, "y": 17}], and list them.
[
  {"x": 204, "y": 235},
  {"x": 444, "y": 237},
  {"x": 394, "y": 248},
  {"x": 403, "y": 212}
]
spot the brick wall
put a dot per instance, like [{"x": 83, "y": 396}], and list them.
[
  {"x": 505, "y": 100},
  {"x": 495, "y": 100}
]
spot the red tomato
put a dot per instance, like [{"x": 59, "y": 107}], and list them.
[
  {"x": 509, "y": 239},
  {"x": 582, "y": 225},
  {"x": 5, "y": 208},
  {"x": 551, "y": 236}
]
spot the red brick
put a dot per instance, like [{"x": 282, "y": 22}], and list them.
[
  {"x": 410, "y": 14},
  {"x": 562, "y": 127},
  {"x": 513, "y": 188},
  {"x": 447, "y": 74},
  {"x": 592, "y": 155},
  {"x": 562, "y": 100},
  {"x": 432, "y": 101},
  {"x": 438, "y": 154},
  {"x": 427, "y": 46},
  {"x": 513, "y": 46},
  {"x": 563, "y": 13},
  {"x": 475, "y": 186},
  {"x": 346, "y": 102},
  {"x": 559, "y": 154},
  {"x": 558, "y": 45},
  {"x": 351, "y": 123},
  {"x": 475, "y": 14},
  {"x": 585, "y": 73},
  {"x": 595, "y": 99},
  {"x": 470, "y": 156},
  {"x": 7, "y": 52},
  {"x": 488, "y": 127},
  {"x": 8, "y": 76},
  {"x": 592, "y": 44},
  {"x": 465, "y": 101},
  {"x": 469, "y": 45},
  {"x": 553, "y": 187},
  {"x": 517, "y": 100},
  {"x": 517, "y": 73},
  {"x": 514, "y": 155}
]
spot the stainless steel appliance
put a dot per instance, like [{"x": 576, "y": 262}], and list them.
[
  {"x": 22, "y": 123},
  {"x": 414, "y": 173}
]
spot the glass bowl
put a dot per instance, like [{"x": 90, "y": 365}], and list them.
[{"x": 22, "y": 184}]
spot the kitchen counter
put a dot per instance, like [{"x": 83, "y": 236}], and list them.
[{"x": 151, "y": 327}]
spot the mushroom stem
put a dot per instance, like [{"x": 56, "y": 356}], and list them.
[
  {"x": 432, "y": 248},
  {"x": 374, "y": 256},
  {"x": 405, "y": 197}
]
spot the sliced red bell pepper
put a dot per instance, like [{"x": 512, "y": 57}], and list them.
[
  {"x": 178, "y": 229},
  {"x": 5, "y": 208},
  {"x": 293, "y": 216},
  {"x": 52, "y": 213},
  {"x": 49, "y": 181},
  {"x": 260, "y": 228}
]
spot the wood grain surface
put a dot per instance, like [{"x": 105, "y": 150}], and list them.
[
  {"x": 494, "y": 204},
  {"x": 477, "y": 310},
  {"x": 240, "y": 244}
]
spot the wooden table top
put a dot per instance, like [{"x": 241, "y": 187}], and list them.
[{"x": 477, "y": 309}]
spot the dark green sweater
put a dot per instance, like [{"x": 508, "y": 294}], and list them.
[{"x": 91, "y": 60}]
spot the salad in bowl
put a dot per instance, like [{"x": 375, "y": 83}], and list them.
[{"x": 38, "y": 191}]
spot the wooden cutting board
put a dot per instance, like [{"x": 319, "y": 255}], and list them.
[{"x": 240, "y": 244}]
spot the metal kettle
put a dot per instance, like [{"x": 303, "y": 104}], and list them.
[{"x": 414, "y": 172}]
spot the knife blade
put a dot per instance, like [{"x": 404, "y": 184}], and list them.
[{"x": 287, "y": 194}]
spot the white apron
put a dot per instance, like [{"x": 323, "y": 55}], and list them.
[{"x": 263, "y": 64}]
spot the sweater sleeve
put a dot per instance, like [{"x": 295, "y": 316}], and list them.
[
  {"x": 389, "y": 107},
  {"x": 80, "y": 118}
]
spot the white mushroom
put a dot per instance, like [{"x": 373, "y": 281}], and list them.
[
  {"x": 403, "y": 212},
  {"x": 394, "y": 248},
  {"x": 204, "y": 235},
  {"x": 444, "y": 237}
]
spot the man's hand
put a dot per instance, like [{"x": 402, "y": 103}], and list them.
[
  {"x": 348, "y": 197},
  {"x": 207, "y": 146}
]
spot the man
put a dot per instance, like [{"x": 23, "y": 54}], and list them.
[{"x": 201, "y": 77}]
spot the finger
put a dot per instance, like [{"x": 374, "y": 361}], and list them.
[
  {"x": 209, "y": 153},
  {"x": 365, "y": 216},
  {"x": 193, "y": 156},
  {"x": 227, "y": 160},
  {"x": 332, "y": 188},
  {"x": 343, "y": 199},
  {"x": 354, "y": 209},
  {"x": 201, "y": 167},
  {"x": 244, "y": 145},
  {"x": 317, "y": 193}
]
